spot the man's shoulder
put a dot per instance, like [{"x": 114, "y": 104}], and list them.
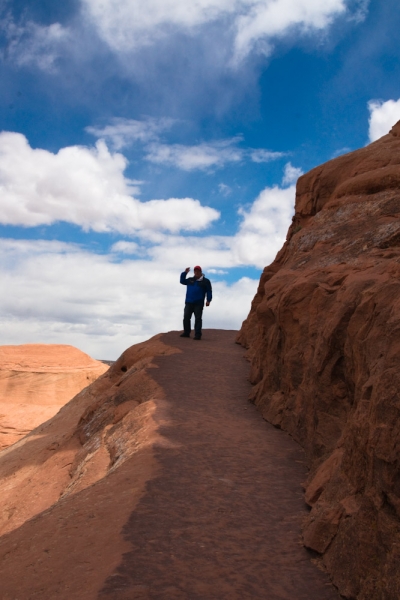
[{"x": 205, "y": 282}]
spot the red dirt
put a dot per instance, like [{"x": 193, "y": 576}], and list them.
[{"x": 206, "y": 503}]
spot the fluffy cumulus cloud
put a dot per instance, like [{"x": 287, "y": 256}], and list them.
[
  {"x": 86, "y": 187},
  {"x": 383, "y": 115},
  {"x": 128, "y": 24},
  {"x": 264, "y": 227},
  {"x": 102, "y": 303},
  {"x": 261, "y": 233},
  {"x": 291, "y": 174},
  {"x": 61, "y": 293},
  {"x": 58, "y": 293}
]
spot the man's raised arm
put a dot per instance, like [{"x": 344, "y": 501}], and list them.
[{"x": 183, "y": 276}]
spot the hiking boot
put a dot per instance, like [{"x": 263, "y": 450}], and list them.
[
  {"x": 185, "y": 335},
  {"x": 197, "y": 337}
]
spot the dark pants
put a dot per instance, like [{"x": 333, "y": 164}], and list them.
[{"x": 197, "y": 309}]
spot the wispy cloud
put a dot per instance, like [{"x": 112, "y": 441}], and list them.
[
  {"x": 211, "y": 155},
  {"x": 207, "y": 155},
  {"x": 264, "y": 156},
  {"x": 31, "y": 44},
  {"x": 202, "y": 156},
  {"x": 121, "y": 133},
  {"x": 224, "y": 189},
  {"x": 254, "y": 24}
]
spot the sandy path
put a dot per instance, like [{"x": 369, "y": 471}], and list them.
[{"x": 222, "y": 519}]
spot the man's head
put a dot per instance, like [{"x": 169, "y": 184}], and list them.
[{"x": 197, "y": 272}]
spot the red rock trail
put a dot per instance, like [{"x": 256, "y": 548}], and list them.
[{"x": 221, "y": 518}]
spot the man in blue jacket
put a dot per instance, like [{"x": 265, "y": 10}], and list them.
[{"x": 198, "y": 287}]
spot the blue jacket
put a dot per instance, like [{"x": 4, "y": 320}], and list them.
[{"x": 196, "y": 291}]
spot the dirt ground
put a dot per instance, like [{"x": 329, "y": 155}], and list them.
[{"x": 221, "y": 519}]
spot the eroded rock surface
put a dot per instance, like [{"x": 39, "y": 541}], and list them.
[
  {"x": 68, "y": 487},
  {"x": 324, "y": 345},
  {"x": 36, "y": 380},
  {"x": 158, "y": 481}
]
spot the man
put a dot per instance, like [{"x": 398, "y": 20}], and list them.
[{"x": 198, "y": 287}]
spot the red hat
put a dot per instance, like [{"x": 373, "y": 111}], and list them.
[{"x": 197, "y": 268}]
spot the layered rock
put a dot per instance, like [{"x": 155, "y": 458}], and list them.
[
  {"x": 36, "y": 380},
  {"x": 323, "y": 341},
  {"x": 69, "y": 486}
]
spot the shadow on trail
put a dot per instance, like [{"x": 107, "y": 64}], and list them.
[{"x": 222, "y": 520}]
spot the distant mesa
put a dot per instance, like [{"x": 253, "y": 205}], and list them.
[
  {"x": 324, "y": 345},
  {"x": 36, "y": 380}
]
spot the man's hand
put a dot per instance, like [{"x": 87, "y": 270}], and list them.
[
  {"x": 187, "y": 269},
  {"x": 207, "y": 304}
]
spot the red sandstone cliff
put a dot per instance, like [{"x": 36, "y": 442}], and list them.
[
  {"x": 323, "y": 338},
  {"x": 36, "y": 380}
]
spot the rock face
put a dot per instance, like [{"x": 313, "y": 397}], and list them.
[
  {"x": 68, "y": 487},
  {"x": 324, "y": 345},
  {"x": 36, "y": 380}
]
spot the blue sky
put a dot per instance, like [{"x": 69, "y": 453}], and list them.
[{"x": 137, "y": 139}]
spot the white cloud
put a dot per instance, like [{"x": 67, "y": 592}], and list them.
[
  {"x": 125, "y": 247},
  {"x": 264, "y": 227},
  {"x": 361, "y": 11},
  {"x": 62, "y": 294},
  {"x": 123, "y": 132},
  {"x": 32, "y": 44},
  {"x": 129, "y": 24},
  {"x": 216, "y": 272},
  {"x": 261, "y": 234},
  {"x": 224, "y": 189},
  {"x": 86, "y": 187},
  {"x": 208, "y": 251},
  {"x": 291, "y": 174},
  {"x": 383, "y": 115},
  {"x": 231, "y": 304},
  {"x": 265, "y": 20},
  {"x": 261, "y": 156},
  {"x": 202, "y": 156}
]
